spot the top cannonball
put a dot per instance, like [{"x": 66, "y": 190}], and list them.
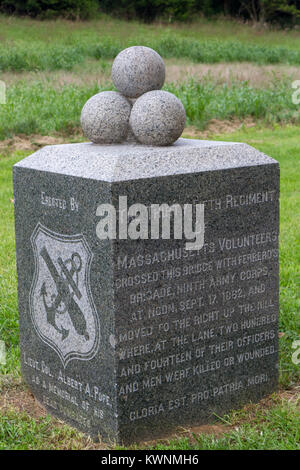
[{"x": 136, "y": 70}]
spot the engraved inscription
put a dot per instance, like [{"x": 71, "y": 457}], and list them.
[{"x": 211, "y": 313}]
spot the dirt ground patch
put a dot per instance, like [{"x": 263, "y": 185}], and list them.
[
  {"x": 22, "y": 400},
  {"x": 178, "y": 71},
  {"x": 31, "y": 143},
  {"x": 15, "y": 396},
  {"x": 216, "y": 126},
  {"x": 292, "y": 395},
  {"x": 257, "y": 75}
]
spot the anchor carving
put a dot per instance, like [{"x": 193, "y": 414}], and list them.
[{"x": 64, "y": 300}]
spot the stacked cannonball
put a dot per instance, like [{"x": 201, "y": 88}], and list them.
[{"x": 140, "y": 110}]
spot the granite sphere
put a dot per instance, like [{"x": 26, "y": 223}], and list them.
[
  {"x": 157, "y": 118},
  {"x": 136, "y": 70},
  {"x": 105, "y": 118}
]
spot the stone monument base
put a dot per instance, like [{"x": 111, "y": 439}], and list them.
[{"x": 127, "y": 338}]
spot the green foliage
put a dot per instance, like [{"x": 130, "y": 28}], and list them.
[
  {"x": 49, "y": 9},
  {"x": 283, "y": 12},
  {"x": 20, "y": 56},
  {"x": 42, "y": 108},
  {"x": 39, "y": 56},
  {"x": 149, "y": 10},
  {"x": 212, "y": 51},
  {"x": 204, "y": 101}
]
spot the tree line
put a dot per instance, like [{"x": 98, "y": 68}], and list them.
[{"x": 281, "y": 12}]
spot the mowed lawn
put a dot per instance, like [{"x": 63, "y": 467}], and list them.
[{"x": 275, "y": 424}]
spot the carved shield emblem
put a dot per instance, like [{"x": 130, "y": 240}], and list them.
[{"x": 61, "y": 304}]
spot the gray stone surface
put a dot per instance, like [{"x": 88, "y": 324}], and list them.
[
  {"x": 131, "y": 339},
  {"x": 157, "y": 118},
  {"x": 131, "y": 161},
  {"x": 105, "y": 118},
  {"x": 136, "y": 70}
]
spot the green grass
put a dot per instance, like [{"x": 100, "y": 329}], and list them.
[
  {"x": 277, "y": 428},
  {"x": 21, "y": 432},
  {"x": 53, "y": 45},
  {"x": 39, "y": 107},
  {"x": 8, "y": 288},
  {"x": 206, "y": 100},
  {"x": 19, "y": 56},
  {"x": 68, "y": 32},
  {"x": 282, "y": 143},
  {"x": 18, "y": 431}
]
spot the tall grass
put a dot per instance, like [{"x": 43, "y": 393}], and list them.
[
  {"x": 21, "y": 56},
  {"x": 218, "y": 50},
  {"x": 42, "y": 108},
  {"x": 205, "y": 100}
]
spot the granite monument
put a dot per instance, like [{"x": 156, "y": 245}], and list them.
[{"x": 130, "y": 335}]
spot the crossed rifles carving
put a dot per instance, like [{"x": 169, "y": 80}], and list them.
[{"x": 64, "y": 296}]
